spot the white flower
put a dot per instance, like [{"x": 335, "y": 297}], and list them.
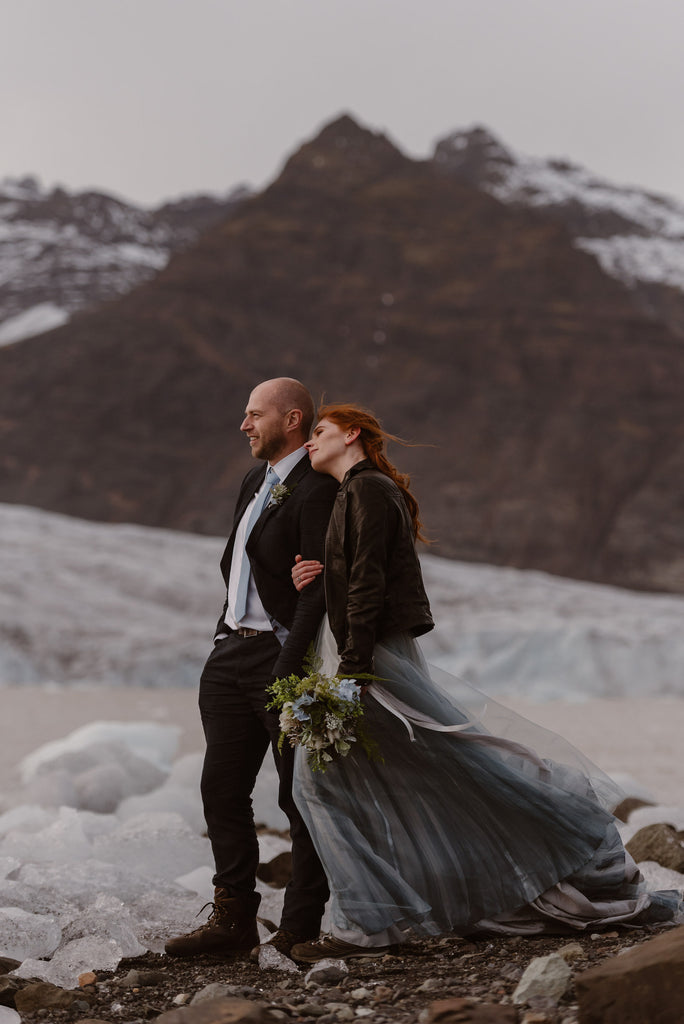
[{"x": 279, "y": 494}]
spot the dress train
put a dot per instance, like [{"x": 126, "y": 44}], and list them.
[{"x": 475, "y": 820}]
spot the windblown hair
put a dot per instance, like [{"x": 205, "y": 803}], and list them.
[{"x": 373, "y": 439}]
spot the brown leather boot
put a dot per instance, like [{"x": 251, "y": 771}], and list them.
[
  {"x": 230, "y": 930},
  {"x": 282, "y": 940}
]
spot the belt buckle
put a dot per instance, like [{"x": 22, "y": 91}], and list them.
[{"x": 244, "y": 631}]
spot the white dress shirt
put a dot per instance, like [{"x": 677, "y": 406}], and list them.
[{"x": 255, "y": 616}]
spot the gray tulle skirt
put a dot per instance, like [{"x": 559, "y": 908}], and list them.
[{"x": 475, "y": 818}]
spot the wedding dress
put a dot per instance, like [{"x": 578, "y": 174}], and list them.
[{"x": 474, "y": 820}]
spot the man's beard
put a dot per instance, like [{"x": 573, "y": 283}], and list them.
[{"x": 268, "y": 447}]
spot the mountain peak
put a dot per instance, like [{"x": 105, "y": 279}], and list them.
[
  {"x": 27, "y": 187},
  {"x": 343, "y": 151},
  {"x": 474, "y": 155},
  {"x": 62, "y": 251}
]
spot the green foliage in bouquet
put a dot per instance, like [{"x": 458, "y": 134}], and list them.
[{"x": 321, "y": 713}]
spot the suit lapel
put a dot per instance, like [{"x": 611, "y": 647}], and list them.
[
  {"x": 250, "y": 485},
  {"x": 290, "y": 481},
  {"x": 299, "y": 471}
]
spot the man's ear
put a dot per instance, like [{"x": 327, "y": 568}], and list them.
[{"x": 294, "y": 419}]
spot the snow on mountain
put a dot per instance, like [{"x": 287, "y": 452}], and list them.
[
  {"x": 635, "y": 235},
  {"x": 89, "y": 602},
  {"x": 61, "y": 252},
  {"x": 42, "y": 317}
]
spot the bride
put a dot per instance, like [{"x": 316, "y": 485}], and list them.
[{"x": 475, "y": 819}]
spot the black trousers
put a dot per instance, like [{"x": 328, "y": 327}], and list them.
[{"x": 238, "y": 730}]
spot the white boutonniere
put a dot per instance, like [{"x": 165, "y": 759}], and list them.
[{"x": 279, "y": 494}]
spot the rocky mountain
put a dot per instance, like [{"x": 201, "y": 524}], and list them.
[
  {"x": 63, "y": 252},
  {"x": 637, "y": 237},
  {"x": 547, "y": 400}
]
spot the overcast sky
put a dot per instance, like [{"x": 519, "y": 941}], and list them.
[{"x": 151, "y": 99}]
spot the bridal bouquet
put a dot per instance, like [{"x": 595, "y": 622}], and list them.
[{"x": 320, "y": 713}]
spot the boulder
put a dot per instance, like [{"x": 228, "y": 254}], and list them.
[
  {"x": 8, "y": 989},
  {"x": 41, "y": 995},
  {"x": 219, "y": 1011},
  {"x": 644, "y": 984},
  {"x": 469, "y": 1011},
  {"x": 660, "y": 843},
  {"x": 629, "y": 804},
  {"x": 277, "y": 872},
  {"x": 326, "y": 972}
]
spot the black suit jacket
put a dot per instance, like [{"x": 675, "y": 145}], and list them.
[{"x": 295, "y": 527}]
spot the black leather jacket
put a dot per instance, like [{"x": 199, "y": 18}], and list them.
[{"x": 373, "y": 583}]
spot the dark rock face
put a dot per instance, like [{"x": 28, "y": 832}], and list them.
[
  {"x": 550, "y": 406},
  {"x": 637, "y": 237},
  {"x": 75, "y": 251},
  {"x": 644, "y": 984}
]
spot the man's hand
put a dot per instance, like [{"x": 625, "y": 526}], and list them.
[{"x": 305, "y": 571}]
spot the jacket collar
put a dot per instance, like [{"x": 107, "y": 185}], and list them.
[
  {"x": 358, "y": 467},
  {"x": 298, "y": 470}
]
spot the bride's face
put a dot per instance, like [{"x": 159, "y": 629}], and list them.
[{"x": 328, "y": 447}]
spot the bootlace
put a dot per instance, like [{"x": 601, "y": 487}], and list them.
[{"x": 214, "y": 918}]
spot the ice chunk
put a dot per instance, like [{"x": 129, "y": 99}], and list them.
[
  {"x": 199, "y": 881},
  {"x": 23, "y": 934},
  {"x": 61, "y": 842},
  {"x": 658, "y": 877},
  {"x": 179, "y": 799},
  {"x": 265, "y": 797},
  {"x": 86, "y": 954},
  {"x": 26, "y": 818},
  {"x": 82, "y": 883},
  {"x": 149, "y": 741},
  {"x": 94, "y": 824},
  {"x": 18, "y": 894},
  {"x": 271, "y": 846},
  {"x": 8, "y": 865},
  {"x": 657, "y": 815},
  {"x": 160, "y": 915},
  {"x": 106, "y": 918},
  {"x": 160, "y": 845},
  {"x": 632, "y": 787},
  {"x": 270, "y": 959},
  {"x": 103, "y": 787},
  {"x": 9, "y": 1016},
  {"x": 271, "y": 906},
  {"x": 50, "y": 789},
  {"x": 96, "y": 777},
  {"x": 187, "y": 771}
]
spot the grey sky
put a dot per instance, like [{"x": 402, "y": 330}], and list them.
[{"x": 153, "y": 98}]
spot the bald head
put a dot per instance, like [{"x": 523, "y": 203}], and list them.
[
  {"x": 278, "y": 418},
  {"x": 287, "y": 394}
]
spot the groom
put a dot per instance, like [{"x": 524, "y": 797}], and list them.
[{"x": 263, "y": 633}]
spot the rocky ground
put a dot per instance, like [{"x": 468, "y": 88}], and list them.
[
  {"x": 397, "y": 989},
  {"x": 423, "y": 982}
]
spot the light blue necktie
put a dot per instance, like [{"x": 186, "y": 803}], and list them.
[{"x": 245, "y": 568}]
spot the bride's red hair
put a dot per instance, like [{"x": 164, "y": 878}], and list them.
[{"x": 373, "y": 439}]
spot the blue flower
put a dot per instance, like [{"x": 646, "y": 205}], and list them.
[
  {"x": 348, "y": 690},
  {"x": 298, "y": 707}
]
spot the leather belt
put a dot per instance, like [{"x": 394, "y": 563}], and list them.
[{"x": 247, "y": 631}]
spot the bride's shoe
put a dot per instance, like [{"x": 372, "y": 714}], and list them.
[{"x": 328, "y": 947}]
